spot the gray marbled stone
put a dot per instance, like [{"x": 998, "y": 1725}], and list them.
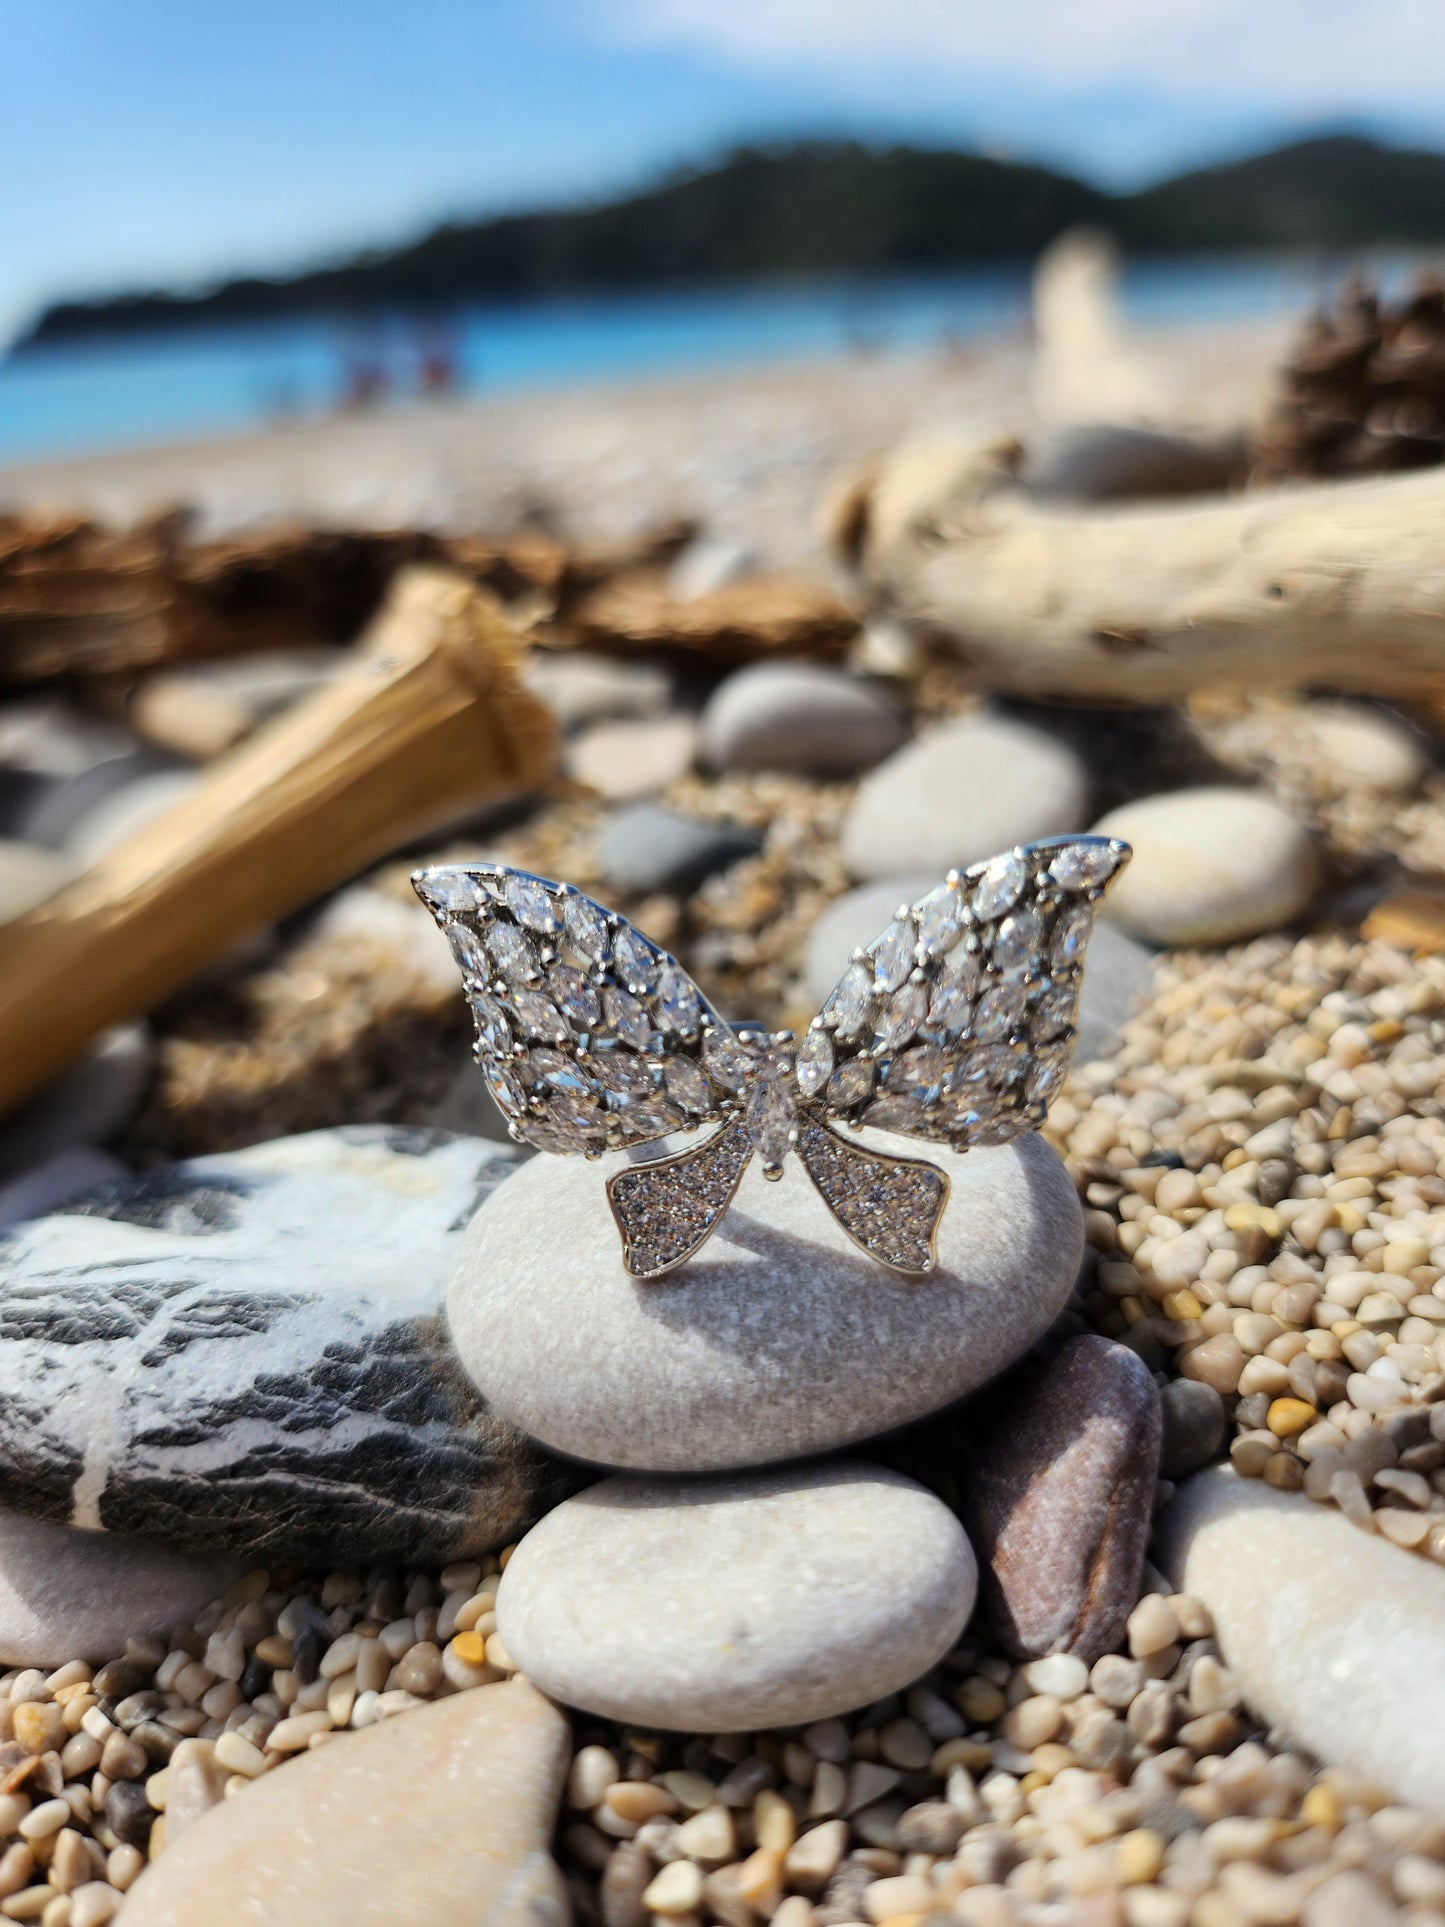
[
  {"x": 800, "y": 716},
  {"x": 647, "y": 847},
  {"x": 247, "y": 1351},
  {"x": 780, "y": 1338}
]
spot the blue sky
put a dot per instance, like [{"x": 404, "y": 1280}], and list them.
[{"x": 163, "y": 140}]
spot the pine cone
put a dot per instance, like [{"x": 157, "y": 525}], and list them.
[{"x": 1364, "y": 391}]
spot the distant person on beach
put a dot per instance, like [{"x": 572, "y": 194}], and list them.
[
  {"x": 365, "y": 379},
  {"x": 438, "y": 370}
]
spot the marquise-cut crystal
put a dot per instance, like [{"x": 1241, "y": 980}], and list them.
[
  {"x": 957, "y": 986},
  {"x": 896, "y": 1114},
  {"x": 772, "y": 1112},
  {"x": 492, "y": 1027},
  {"x": 1054, "y": 1011},
  {"x": 1046, "y": 1074},
  {"x": 1085, "y": 865},
  {"x": 851, "y": 1002},
  {"x": 940, "y": 918},
  {"x": 626, "y": 1017},
  {"x": 988, "y": 1069},
  {"x": 1071, "y": 934},
  {"x": 850, "y": 1083},
  {"x": 538, "y": 1015},
  {"x": 814, "y": 1062},
  {"x": 513, "y": 954},
  {"x": 556, "y": 1072},
  {"x": 451, "y": 891},
  {"x": 575, "y": 997},
  {"x": 1000, "y": 886},
  {"x": 532, "y": 904},
  {"x": 998, "y": 1014},
  {"x": 1016, "y": 947},
  {"x": 921, "y": 1069},
  {"x": 511, "y": 1099},
  {"x": 728, "y": 1062},
  {"x": 893, "y": 955},
  {"x": 469, "y": 951},
  {"x": 686, "y": 1083},
  {"x": 585, "y": 927},
  {"x": 624, "y": 1080},
  {"x": 678, "y": 1004},
  {"x": 903, "y": 1013},
  {"x": 633, "y": 960}
]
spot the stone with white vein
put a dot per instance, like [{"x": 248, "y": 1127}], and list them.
[{"x": 247, "y": 1351}]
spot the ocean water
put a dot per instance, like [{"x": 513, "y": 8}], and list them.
[{"x": 175, "y": 385}]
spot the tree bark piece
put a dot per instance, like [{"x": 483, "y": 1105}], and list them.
[
  {"x": 430, "y": 717},
  {"x": 1336, "y": 585}
]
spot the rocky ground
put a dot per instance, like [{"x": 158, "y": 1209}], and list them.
[{"x": 1145, "y": 1632}]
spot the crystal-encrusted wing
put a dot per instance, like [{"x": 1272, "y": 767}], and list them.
[
  {"x": 590, "y": 1037},
  {"x": 957, "y": 1024}
]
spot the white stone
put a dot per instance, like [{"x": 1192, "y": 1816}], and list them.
[
  {"x": 851, "y": 923},
  {"x": 780, "y": 1338},
  {"x": 445, "y": 1817},
  {"x": 800, "y": 716},
  {"x": 631, "y": 758},
  {"x": 727, "y": 1605},
  {"x": 28, "y": 875},
  {"x": 1210, "y": 866},
  {"x": 1334, "y": 1634},
  {"x": 960, "y": 793},
  {"x": 1355, "y": 743},
  {"x": 67, "y": 1594}
]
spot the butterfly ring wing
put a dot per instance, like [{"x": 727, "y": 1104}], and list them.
[
  {"x": 957, "y": 1024},
  {"x": 590, "y": 1036}
]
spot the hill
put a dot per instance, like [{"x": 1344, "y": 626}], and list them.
[{"x": 828, "y": 208}]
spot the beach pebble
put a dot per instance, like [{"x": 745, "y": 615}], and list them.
[
  {"x": 85, "y": 783},
  {"x": 1210, "y": 865},
  {"x": 1354, "y": 743},
  {"x": 647, "y": 847},
  {"x": 961, "y": 792},
  {"x": 625, "y": 759},
  {"x": 780, "y": 1338},
  {"x": 405, "y": 932},
  {"x": 707, "y": 564},
  {"x": 1058, "y": 1500},
  {"x": 128, "y": 810},
  {"x": 581, "y": 688},
  {"x": 67, "y": 1595},
  {"x": 28, "y": 875},
  {"x": 800, "y": 716},
  {"x": 246, "y": 1351},
  {"x": 1112, "y": 461},
  {"x": 1333, "y": 1634},
  {"x": 1195, "y": 1421},
  {"x": 730, "y": 1604},
  {"x": 201, "y": 709},
  {"x": 86, "y": 1104},
  {"x": 57, "y": 1182},
  {"x": 445, "y": 1817}
]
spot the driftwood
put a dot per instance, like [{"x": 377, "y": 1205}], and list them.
[
  {"x": 757, "y": 617},
  {"x": 1337, "y": 585},
  {"x": 429, "y": 718}
]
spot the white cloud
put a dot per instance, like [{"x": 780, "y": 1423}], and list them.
[{"x": 1295, "y": 55}]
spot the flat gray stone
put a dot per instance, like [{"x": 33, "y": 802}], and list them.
[
  {"x": 1118, "y": 978},
  {"x": 128, "y": 810},
  {"x": 247, "y": 1351},
  {"x": 53, "y": 1183},
  {"x": 581, "y": 688},
  {"x": 1210, "y": 865},
  {"x": 443, "y": 1818},
  {"x": 1113, "y": 461},
  {"x": 66, "y": 1594},
  {"x": 960, "y": 793},
  {"x": 647, "y": 847},
  {"x": 726, "y": 1605},
  {"x": 1334, "y": 1634},
  {"x": 800, "y": 716},
  {"x": 780, "y": 1338},
  {"x": 1059, "y": 1496}
]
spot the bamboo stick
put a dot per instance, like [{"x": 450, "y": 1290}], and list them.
[{"x": 429, "y": 716}]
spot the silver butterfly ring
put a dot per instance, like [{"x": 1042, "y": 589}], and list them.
[{"x": 956, "y": 1025}]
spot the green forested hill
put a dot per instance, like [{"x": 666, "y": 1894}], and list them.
[{"x": 832, "y": 207}]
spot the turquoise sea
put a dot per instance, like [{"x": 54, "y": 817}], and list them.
[{"x": 206, "y": 380}]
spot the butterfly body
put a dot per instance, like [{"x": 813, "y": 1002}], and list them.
[{"x": 956, "y": 1025}]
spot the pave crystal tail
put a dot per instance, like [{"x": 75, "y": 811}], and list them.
[
  {"x": 890, "y": 1206},
  {"x": 668, "y": 1210}
]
